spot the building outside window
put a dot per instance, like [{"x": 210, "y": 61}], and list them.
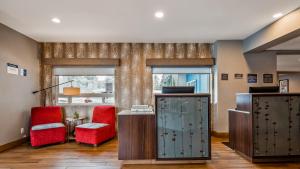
[{"x": 197, "y": 77}]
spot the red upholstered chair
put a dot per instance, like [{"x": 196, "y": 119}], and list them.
[
  {"x": 100, "y": 129},
  {"x": 46, "y": 126}
]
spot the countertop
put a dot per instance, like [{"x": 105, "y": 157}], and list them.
[{"x": 128, "y": 112}]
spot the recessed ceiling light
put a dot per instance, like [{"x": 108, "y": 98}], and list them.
[
  {"x": 55, "y": 20},
  {"x": 277, "y": 15},
  {"x": 159, "y": 14}
]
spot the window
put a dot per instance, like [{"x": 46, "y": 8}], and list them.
[
  {"x": 94, "y": 89},
  {"x": 198, "y": 77}
]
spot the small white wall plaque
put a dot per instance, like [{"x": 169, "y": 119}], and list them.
[{"x": 12, "y": 69}]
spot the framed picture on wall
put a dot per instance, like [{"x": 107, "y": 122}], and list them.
[
  {"x": 268, "y": 78},
  {"x": 252, "y": 78},
  {"x": 224, "y": 76},
  {"x": 238, "y": 76},
  {"x": 284, "y": 86}
]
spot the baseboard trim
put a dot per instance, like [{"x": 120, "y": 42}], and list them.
[
  {"x": 13, "y": 144},
  {"x": 220, "y": 134},
  {"x": 153, "y": 161}
]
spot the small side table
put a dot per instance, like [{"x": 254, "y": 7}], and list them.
[{"x": 71, "y": 124}]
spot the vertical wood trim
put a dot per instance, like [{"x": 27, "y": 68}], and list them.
[
  {"x": 103, "y": 50},
  {"x": 114, "y": 50},
  {"x": 125, "y": 76},
  {"x": 58, "y": 50},
  {"x": 136, "y": 74},
  {"x": 191, "y": 51},
  {"x": 70, "y": 50},
  {"x": 180, "y": 51},
  {"x": 158, "y": 50},
  {"x": 169, "y": 50}
]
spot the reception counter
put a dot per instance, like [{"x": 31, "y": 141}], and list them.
[
  {"x": 266, "y": 127},
  {"x": 136, "y": 135},
  {"x": 179, "y": 130}
]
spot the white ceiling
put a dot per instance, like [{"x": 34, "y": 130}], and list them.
[
  {"x": 293, "y": 44},
  {"x": 133, "y": 20}
]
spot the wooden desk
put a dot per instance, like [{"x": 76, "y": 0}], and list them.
[{"x": 136, "y": 136}]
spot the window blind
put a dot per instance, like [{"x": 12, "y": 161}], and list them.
[
  {"x": 83, "y": 71},
  {"x": 178, "y": 70}
]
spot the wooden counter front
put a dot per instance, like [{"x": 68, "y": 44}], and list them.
[{"x": 136, "y": 136}]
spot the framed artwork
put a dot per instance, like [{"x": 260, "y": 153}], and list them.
[
  {"x": 224, "y": 76},
  {"x": 252, "y": 78},
  {"x": 284, "y": 86},
  {"x": 268, "y": 78},
  {"x": 238, "y": 76}
]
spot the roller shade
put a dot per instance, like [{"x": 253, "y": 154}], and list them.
[
  {"x": 176, "y": 70},
  {"x": 83, "y": 71}
]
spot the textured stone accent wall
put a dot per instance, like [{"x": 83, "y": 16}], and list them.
[{"x": 133, "y": 77}]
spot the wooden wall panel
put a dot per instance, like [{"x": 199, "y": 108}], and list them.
[
  {"x": 47, "y": 72},
  {"x": 58, "y": 50},
  {"x": 147, "y": 74},
  {"x": 133, "y": 77},
  {"x": 203, "y": 51},
  {"x": 69, "y": 50},
  {"x": 92, "y": 50},
  {"x": 148, "y": 50},
  {"x": 191, "y": 51},
  {"x": 170, "y": 50},
  {"x": 103, "y": 50},
  {"x": 47, "y": 50},
  {"x": 180, "y": 51},
  {"x": 81, "y": 50},
  {"x": 136, "y": 74},
  {"x": 125, "y": 76},
  {"x": 158, "y": 50},
  {"x": 114, "y": 50}
]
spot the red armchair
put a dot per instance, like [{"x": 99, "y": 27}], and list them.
[
  {"x": 100, "y": 129},
  {"x": 46, "y": 126}
]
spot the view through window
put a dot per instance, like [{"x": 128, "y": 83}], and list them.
[
  {"x": 198, "y": 77},
  {"x": 93, "y": 89}
]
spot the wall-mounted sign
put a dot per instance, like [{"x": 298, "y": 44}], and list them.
[
  {"x": 252, "y": 78},
  {"x": 12, "y": 69},
  {"x": 23, "y": 72},
  {"x": 238, "y": 76},
  {"x": 268, "y": 78},
  {"x": 224, "y": 76}
]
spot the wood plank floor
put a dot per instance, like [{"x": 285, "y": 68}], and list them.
[{"x": 73, "y": 156}]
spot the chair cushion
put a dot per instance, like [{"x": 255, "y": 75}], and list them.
[
  {"x": 92, "y": 125},
  {"x": 47, "y": 126}
]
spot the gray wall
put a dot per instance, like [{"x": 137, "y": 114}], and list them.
[
  {"x": 16, "y": 99},
  {"x": 231, "y": 60}
]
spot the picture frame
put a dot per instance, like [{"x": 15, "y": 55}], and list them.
[
  {"x": 238, "y": 76},
  {"x": 284, "y": 86},
  {"x": 252, "y": 78},
  {"x": 224, "y": 76},
  {"x": 268, "y": 78}
]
